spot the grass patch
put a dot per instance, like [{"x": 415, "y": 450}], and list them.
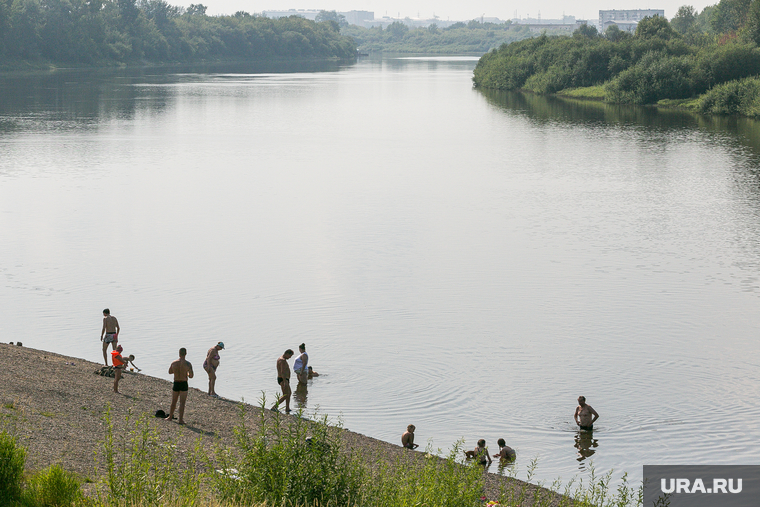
[
  {"x": 282, "y": 461},
  {"x": 588, "y": 92}
]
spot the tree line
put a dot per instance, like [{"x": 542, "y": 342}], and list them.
[
  {"x": 705, "y": 61},
  {"x": 470, "y": 37},
  {"x": 109, "y": 32}
]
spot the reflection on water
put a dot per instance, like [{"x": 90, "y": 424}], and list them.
[
  {"x": 586, "y": 445},
  {"x": 300, "y": 395}
]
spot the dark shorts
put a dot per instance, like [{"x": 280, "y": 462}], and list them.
[
  {"x": 588, "y": 428},
  {"x": 109, "y": 338},
  {"x": 179, "y": 386},
  {"x": 284, "y": 385}
]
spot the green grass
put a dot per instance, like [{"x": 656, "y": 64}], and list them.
[
  {"x": 588, "y": 92},
  {"x": 281, "y": 461}
]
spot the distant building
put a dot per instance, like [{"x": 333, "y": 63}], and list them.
[
  {"x": 624, "y": 18},
  {"x": 626, "y": 26},
  {"x": 568, "y": 25},
  {"x": 312, "y": 15},
  {"x": 359, "y": 18}
]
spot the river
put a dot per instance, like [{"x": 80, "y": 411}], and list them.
[{"x": 470, "y": 262}]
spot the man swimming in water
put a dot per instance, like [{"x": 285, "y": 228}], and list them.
[
  {"x": 109, "y": 333},
  {"x": 407, "y": 439},
  {"x": 182, "y": 370},
  {"x": 210, "y": 365},
  {"x": 585, "y": 416}
]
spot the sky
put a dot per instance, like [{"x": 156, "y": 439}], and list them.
[{"x": 450, "y": 9}]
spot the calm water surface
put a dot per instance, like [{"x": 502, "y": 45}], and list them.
[{"x": 469, "y": 262}]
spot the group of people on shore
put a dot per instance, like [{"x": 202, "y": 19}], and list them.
[
  {"x": 585, "y": 417},
  {"x": 182, "y": 369}
]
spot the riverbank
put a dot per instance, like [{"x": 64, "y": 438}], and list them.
[{"x": 55, "y": 406}]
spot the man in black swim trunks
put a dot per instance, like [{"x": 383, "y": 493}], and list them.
[
  {"x": 182, "y": 370},
  {"x": 283, "y": 378},
  {"x": 585, "y": 416}
]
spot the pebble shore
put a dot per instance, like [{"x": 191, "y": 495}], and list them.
[{"x": 55, "y": 404}]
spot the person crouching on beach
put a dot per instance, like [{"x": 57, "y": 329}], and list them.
[
  {"x": 407, "y": 439},
  {"x": 210, "y": 365},
  {"x": 119, "y": 363}
]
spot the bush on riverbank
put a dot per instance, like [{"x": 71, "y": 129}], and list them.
[
  {"x": 51, "y": 487},
  {"x": 655, "y": 64}
]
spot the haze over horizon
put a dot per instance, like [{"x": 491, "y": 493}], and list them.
[{"x": 549, "y": 9}]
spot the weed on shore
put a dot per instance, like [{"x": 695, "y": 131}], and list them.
[{"x": 294, "y": 462}]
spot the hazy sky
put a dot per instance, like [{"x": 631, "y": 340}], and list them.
[{"x": 450, "y": 9}]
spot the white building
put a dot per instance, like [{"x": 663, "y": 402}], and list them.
[{"x": 624, "y": 18}]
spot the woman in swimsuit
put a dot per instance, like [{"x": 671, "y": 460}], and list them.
[{"x": 210, "y": 365}]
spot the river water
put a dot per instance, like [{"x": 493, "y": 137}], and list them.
[{"x": 469, "y": 262}]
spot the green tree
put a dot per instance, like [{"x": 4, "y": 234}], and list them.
[
  {"x": 615, "y": 34},
  {"x": 655, "y": 27},
  {"x": 730, "y": 15},
  {"x": 397, "y": 29},
  {"x": 196, "y": 10},
  {"x": 331, "y": 16},
  {"x": 586, "y": 31},
  {"x": 685, "y": 19}
]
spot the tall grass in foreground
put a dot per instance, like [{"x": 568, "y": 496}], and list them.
[
  {"x": 141, "y": 469},
  {"x": 298, "y": 462},
  {"x": 281, "y": 461}
]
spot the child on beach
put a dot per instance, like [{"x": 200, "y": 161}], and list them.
[
  {"x": 119, "y": 363},
  {"x": 480, "y": 453}
]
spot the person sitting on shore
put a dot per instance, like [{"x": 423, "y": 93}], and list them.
[
  {"x": 312, "y": 373},
  {"x": 407, "y": 439},
  {"x": 480, "y": 453},
  {"x": 119, "y": 363},
  {"x": 506, "y": 454}
]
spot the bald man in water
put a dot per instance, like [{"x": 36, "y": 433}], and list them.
[
  {"x": 585, "y": 416},
  {"x": 182, "y": 370}
]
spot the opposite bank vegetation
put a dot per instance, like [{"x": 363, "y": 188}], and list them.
[
  {"x": 293, "y": 463},
  {"x": 129, "y": 32},
  {"x": 705, "y": 62}
]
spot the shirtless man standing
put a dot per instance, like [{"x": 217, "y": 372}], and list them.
[
  {"x": 283, "y": 378},
  {"x": 585, "y": 416},
  {"x": 210, "y": 365},
  {"x": 182, "y": 370},
  {"x": 407, "y": 439},
  {"x": 111, "y": 331}
]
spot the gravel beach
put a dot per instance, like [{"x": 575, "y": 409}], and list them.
[{"x": 55, "y": 404}]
